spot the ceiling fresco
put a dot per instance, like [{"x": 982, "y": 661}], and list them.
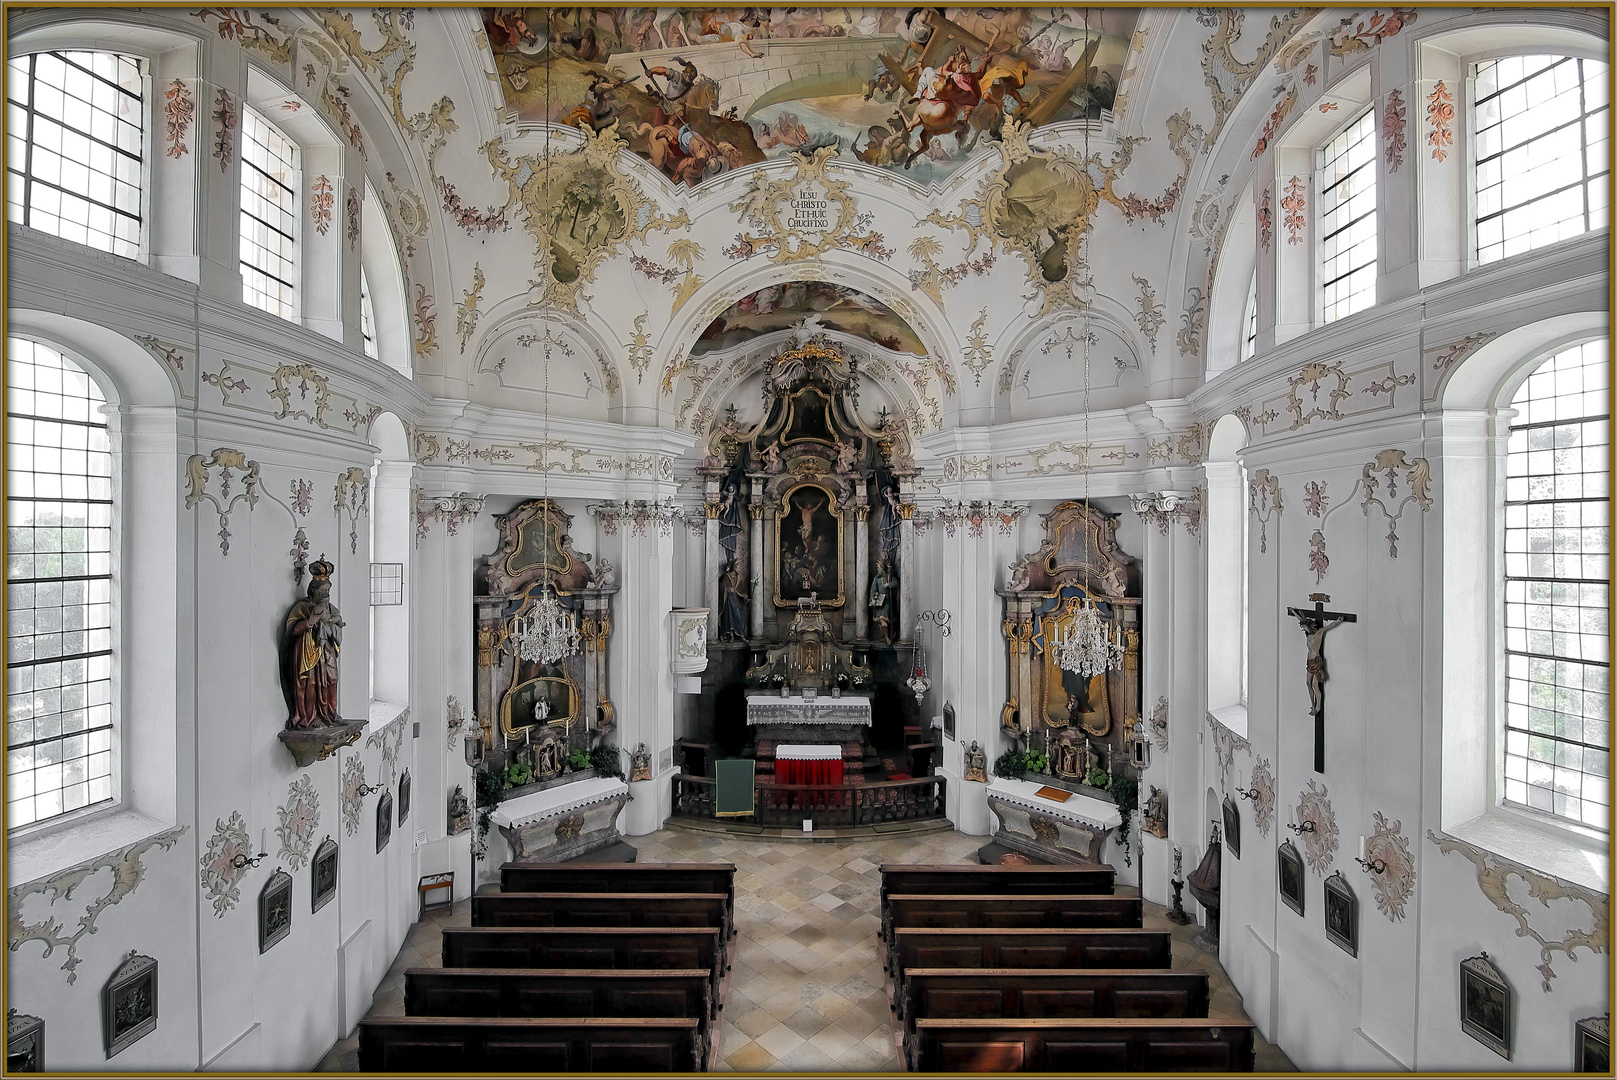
[
  {"x": 698, "y": 92},
  {"x": 809, "y": 306}
]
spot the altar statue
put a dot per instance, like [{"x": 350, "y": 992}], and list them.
[
  {"x": 731, "y": 509},
  {"x": 309, "y": 646},
  {"x": 883, "y": 590},
  {"x": 733, "y": 602}
]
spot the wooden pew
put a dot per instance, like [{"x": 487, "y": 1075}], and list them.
[
  {"x": 964, "y": 878},
  {"x": 450, "y": 1044},
  {"x": 602, "y": 909},
  {"x": 524, "y": 992},
  {"x": 626, "y": 878},
  {"x": 1101, "y": 1044},
  {"x": 1013, "y": 994},
  {"x": 957, "y": 948},
  {"x": 1007, "y": 912},
  {"x": 589, "y": 947}
]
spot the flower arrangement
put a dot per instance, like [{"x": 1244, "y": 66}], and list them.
[{"x": 778, "y": 679}]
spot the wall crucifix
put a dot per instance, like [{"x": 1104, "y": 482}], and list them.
[{"x": 1315, "y": 624}]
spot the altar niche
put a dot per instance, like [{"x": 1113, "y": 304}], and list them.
[
  {"x": 1081, "y": 723},
  {"x": 807, "y": 574},
  {"x": 536, "y": 715}
]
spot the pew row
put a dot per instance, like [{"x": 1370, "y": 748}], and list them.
[
  {"x": 602, "y": 909},
  {"x": 589, "y": 947},
  {"x": 1036, "y": 911},
  {"x": 1029, "y": 993},
  {"x": 625, "y": 878},
  {"x": 964, "y": 878},
  {"x": 1078, "y": 948},
  {"x": 1100, "y": 1044},
  {"x": 450, "y": 1044}
]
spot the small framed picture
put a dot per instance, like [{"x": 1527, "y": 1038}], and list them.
[
  {"x": 25, "y": 1043},
  {"x": 274, "y": 910},
  {"x": 948, "y": 720},
  {"x": 325, "y": 873},
  {"x": 1232, "y": 826},
  {"x": 1341, "y": 914},
  {"x": 384, "y": 820},
  {"x": 1593, "y": 1053},
  {"x": 129, "y": 1003},
  {"x": 1487, "y": 1004},
  {"x": 1290, "y": 868},
  {"x": 404, "y": 797}
]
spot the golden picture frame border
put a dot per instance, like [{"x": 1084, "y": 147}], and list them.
[
  {"x": 836, "y": 513},
  {"x": 573, "y": 696}
]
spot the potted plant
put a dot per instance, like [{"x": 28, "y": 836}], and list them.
[
  {"x": 577, "y": 760},
  {"x": 837, "y": 685},
  {"x": 857, "y": 682},
  {"x": 780, "y": 683}
]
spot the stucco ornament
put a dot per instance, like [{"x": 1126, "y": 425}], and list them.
[
  {"x": 299, "y": 818},
  {"x": 389, "y": 738},
  {"x": 803, "y": 213},
  {"x": 353, "y": 782},
  {"x": 1265, "y": 501},
  {"x": 1263, "y": 795},
  {"x": 579, "y": 207},
  {"x": 198, "y": 472},
  {"x": 220, "y": 875},
  {"x": 1390, "y": 466},
  {"x": 1493, "y": 877},
  {"x": 1319, "y": 845},
  {"x": 454, "y": 719},
  {"x": 1225, "y": 744},
  {"x": 127, "y": 872},
  {"x": 1394, "y": 885},
  {"x": 1159, "y": 724}
]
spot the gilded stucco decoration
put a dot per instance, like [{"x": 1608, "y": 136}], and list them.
[
  {"x": 640, "y": 351},
  {"x": 1264, "y": 501},
  {"x": 126, "y": 871},
  {"x": 1318, "y": 376},
  {"x": 580, "y": 209},
  {"x": 1320, "y": 843},
  {"x": 290, "y": 392},
  {"x": 1225, "y": 744},
  {"x": 1040, "y": 203},
  {"x": 178, "y": 110},
  {"x": 299, "y": 819},
  {"x": 351, "y": 498},
  {"x": 1226, "y": 77},
  {"x": 303, "y": 380},
  {"x": 979, "y": 352},
  {"x": 1069, "y": 457},
  {"x": 236, "y": 24},
  {"x": 1394, "y": 884},
  {"x": 1192, "y": 321},
  {"x": 389, "y": 66},
  {"x": 353, "y": 782},
  {"x": 466, "y": 311},
  {"x": 1262, "y": 788},
  {"x": 1446, "y": 356},
  {"x": 426, "y": 321},
  {"x": 1356, "y": 34},
  {"x": 1163, "y": 508},
  {"x": 802, "y": 214},
  {"x": 223, "y": 463},
  {"x": 1150, "y": 317},
  {"x": 220, "y": 873},
  {"x": 453, "y": 510},
  {"x": 1493, "y": 878},
  {"x": 1389, "y": 467}
]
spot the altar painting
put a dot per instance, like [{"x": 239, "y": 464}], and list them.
[
  {"x": 549, "y": 684},
  {"x": 809, "y": 419},
  {"x": 808, "y": 548}
]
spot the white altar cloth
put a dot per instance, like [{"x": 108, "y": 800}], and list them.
[
  {"x": 1078, "y": 809},
  {"x": 771, "y": 709},
  {"x": 553, "y": 802},
  {"x": 808, "y": 752}
]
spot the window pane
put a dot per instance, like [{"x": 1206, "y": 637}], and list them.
[
  {"x": 1347, "y": 216},
  {"x": 1556, "y": 734},
  {"x": 59, "y": 593},
  {"x": 1541, "y": 152},
  {"x": 269, "y": 179},
  {"x": 79, "y": 177}
]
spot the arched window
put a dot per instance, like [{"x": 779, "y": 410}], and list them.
[
  {"x": 74, "y": 162},
  {"x": 1556, "y": 587},
  {"x": 269, "y": 217},
  {"x": 60, "y": 659},
  {"x": 1249, "y": 321},
  {"x": 1347, "y": 219},
  {"x": 1540, "y": 126}
]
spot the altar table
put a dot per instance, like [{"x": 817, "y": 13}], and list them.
[{"x": 808, "y": 763}]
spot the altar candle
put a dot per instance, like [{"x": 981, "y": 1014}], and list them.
[{"x": 1361, "y": 848}]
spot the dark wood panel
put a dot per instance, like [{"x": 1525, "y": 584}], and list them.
[
  {"x": 989, "y": 948},
  {"x": 454, "y": 1044},
  {"x": 1082, "y": 1045}
]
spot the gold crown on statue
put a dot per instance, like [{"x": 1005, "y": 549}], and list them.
[{"x": 320, "y": 570}]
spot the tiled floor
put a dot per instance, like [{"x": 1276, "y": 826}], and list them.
[{"x": 805, "y": 992}]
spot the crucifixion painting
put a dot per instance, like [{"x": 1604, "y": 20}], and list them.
[{"x": 1315, "y": 624}]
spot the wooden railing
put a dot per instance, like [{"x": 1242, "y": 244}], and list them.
[{"x": 829, "y": 806}]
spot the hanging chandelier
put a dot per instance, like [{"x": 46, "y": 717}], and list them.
[
  {"x": 548, "y": 632},
  {"x": 1089, "y": 644}
]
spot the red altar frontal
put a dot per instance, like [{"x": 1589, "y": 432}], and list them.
[{"x": 809, "y": 763}]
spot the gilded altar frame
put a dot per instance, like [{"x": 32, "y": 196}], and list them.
[{"x": 835, "y": 511}]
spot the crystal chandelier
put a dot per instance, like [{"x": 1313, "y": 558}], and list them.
[
  {"x": 547, "y": 633},
  {"x": 1089, "y": 644}
]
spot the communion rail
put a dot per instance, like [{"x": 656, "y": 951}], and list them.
[{"x": 828, "y": 806}]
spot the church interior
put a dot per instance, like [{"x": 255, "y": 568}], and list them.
[{"x": 684, "y": 539}]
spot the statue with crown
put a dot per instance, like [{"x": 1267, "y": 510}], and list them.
[{"x": 310, "y": 642}]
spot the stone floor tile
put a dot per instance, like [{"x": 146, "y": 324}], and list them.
[
  {"x": 779, "y": 1040},
  {"x": 756, "y": 1022},
  {"x": 749, "y": 1058}
]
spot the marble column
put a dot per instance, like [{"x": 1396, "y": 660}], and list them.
[
  {"x": 711, "y": 568},
  {"x": 861, "y": 573},
  {"x": 757, "y": 512},
  {"x": 906, "y": 576},
  {"x": 642, "y": 682}
]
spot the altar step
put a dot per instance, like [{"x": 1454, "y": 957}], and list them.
[{"x": 885, "y": 831}]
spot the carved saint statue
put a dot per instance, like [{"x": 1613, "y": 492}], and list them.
[
  {"x": 640, "y": 763},
  {"x": 731, "y": 508},
  {"x": 976, "y": 764},
  {"x": 309, "y": 646},
  {"x": 606, "y": 575},
  {"x": 772, "y": 458},
  {"x": 460, "y": 812},
  {"x": 883, "y": 589},
  {"x": 732, "y": 602},
  {"x": 846, "y": 452}
]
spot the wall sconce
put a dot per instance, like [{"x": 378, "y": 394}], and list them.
[
  {"x": 243, "y": 861},
  {"x": 1244, "y": 793},
  {"x": 940, "y": 618},
  {"x": 1305, "y": 827},
  {"x": 1377, "y": 866},
  {"x": 473, "y": 746},
  {"x": 1139, "y": 744},
  {"x": 369, "y": 789}
]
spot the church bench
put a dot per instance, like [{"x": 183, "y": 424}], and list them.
[
  {"x": 1064, "y": 948},
  {"x": 626, "y": 878},
  {"x": 514, "y": 992},
  {"x": 925, "y": 912},
  {"x": 966, "y": 878},
  {"x": 602, "y": 909},
  {"x": 448, "y": 1044},
  {"x": 1099, "y": 1044},
  {"x": 959, "y": 993},
  {"x": 588, "y": 947}
]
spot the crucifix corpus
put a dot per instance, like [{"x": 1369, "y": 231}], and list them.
[{"x": 1314, "y": 625}]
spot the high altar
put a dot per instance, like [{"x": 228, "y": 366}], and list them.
[{"x": 809, "y": 552}]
